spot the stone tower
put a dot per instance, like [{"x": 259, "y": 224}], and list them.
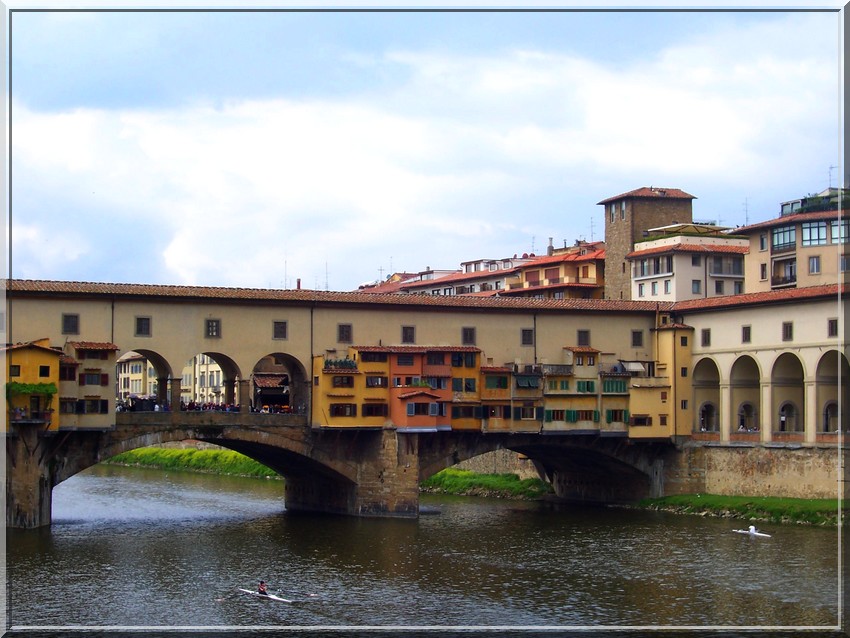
[{"x": 627, "y": 217}]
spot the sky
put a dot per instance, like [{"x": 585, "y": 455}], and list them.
[{"x": 262, "y": 149}]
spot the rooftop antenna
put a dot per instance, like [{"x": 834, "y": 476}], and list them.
[
  {"x": 326, "y": 276},
  {"x": 381, "y": 273},
  {"x": 746, "y": 212},
  {"x": 591, "y": 230}
]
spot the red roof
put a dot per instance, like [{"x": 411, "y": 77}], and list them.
[
  {"x": 754, "y": 298},
  {"x": 92, "y": 345},
  {"x": 41, "y": 288},
  {"x": 796, "y": 218},
  {"x": 690, "y": 248},
  {"x": 581, "y": 349},
  {"x": 269, "y": 380},
  {"x": 405, "y": 349},
  {"x": 653, "y": 192}
]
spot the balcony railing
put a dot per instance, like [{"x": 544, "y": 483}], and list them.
[{"x": 778, "y": 281}]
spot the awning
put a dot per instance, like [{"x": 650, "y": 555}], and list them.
[{"x": 633, "y": 366}]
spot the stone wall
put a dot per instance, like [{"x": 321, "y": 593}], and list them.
[
  {"x": 500, "y": 462},
  {"x": 760, "y": 471}
]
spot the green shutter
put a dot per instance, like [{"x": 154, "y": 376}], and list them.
[
  {"x": 548, "y": 416},
  {"x": 596, "y": 416}
]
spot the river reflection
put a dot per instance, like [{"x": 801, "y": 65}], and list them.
[{"x": 134, "y": 548}]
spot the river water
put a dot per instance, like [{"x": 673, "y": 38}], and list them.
[{"x": 139, "y": 548}]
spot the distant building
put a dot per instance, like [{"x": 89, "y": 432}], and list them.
[
  {"x": 687, "y": 261},
  {"x": 797, "y": 249},
  {"x": 627, "y": 217}
]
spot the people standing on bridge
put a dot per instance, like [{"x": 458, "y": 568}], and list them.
[{"x": 262, "y": 589}]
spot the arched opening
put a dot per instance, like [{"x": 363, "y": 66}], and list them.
[
  {"x": 209, "y": 381},
  {"x": 143, "y": 379},
  {"x": 279, "y": 384},
  {"x": 788, "y": 394},
  {"x": 708, "y": 421},
  {"x": 788, "y": 418},
  {"x": 831, "y": 389},
  {"x": 706, "y": 385},
  {"x": 747, "y": 418},
  {"x": 829, "y": 418},
  {"x": 744, "y": 386}
]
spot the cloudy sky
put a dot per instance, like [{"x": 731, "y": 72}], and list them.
[{"x": 258, "y": 148}]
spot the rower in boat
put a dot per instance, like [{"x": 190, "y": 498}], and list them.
[{"x": 262, "y": 589}]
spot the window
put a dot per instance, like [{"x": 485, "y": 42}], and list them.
[
  {"x": 526, "y": 337},
  {"x": 343, "y": 381},
  {"x": 70, "y": 324},
  {"x": 591, "y": 360},
  {"x": 641, "y": 290},
  {"x": 684, "y": 404},
  {"x": 343, "y": 409},
  {"x": 611, "y": 212},
  {"x": 374, "y": 409},
  {"x": 408, "y": 334},
  {"x": 143, "y": 326},
  {"x": 662, "y": 419},
  {"x": 14, "y": 370},
  {"x": 583, "y": 337},
  {"x": 579, "y": 360},
  {"x": 762, "y": 242},
  {"x": 706, "y": 337},
  {"x": 842, "y": 263},
  {"x": 641, "y": 420},
  {"x": 467, "y": 336},
  {"x": 279, "y": 329},
  {"x": 787, "y": 331},
  {"x": 404, "y": 360},
  {"x": 94, "y": 378},
  {"x": 623, "y": 209},
  {"x": 684, "y": 372},
  {"x": 718, "y": 286},
  {"x": 746, "y": 334},
  {"x": 840, "y": 231},
  {"x": 344, "y": 333},
  {"x": 814, "y": 233},
  {"x": 373, "y": 357},
  {"x": 696, "y": 260},
  {"x": 666, "y": 286},
  {"x": 654, "y": 288},
  {"x": 738, "y": 287},
  {"x": 783, "y": 238},
  {"x": 495, "y": 383},
  {"x": 684, "y": 342},
  {"x": 43, "y": 371},
  {"x": 814, "y": 265},
  {"x": 213, "y": 328},
  {"x": 637, "y": 338},
  {"x": 696, "y": 286},
  {"x": 762, "y": 272},
  {"x": 832, "y": 327},
  {"x": 435, "y": 358}
]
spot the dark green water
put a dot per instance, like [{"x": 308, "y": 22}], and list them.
[{"x": 140, "y": 548}]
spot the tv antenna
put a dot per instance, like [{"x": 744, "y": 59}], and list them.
[{"x": 746, "y": 212}]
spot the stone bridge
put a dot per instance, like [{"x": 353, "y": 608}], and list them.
[{"x": 363, "y": 472}]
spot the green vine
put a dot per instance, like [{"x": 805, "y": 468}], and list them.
[{"x": 16, "y": 387}]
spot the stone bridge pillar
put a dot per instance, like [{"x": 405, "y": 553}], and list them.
[
  {"x": 386, "y": 482},
  {"x": 244, "y": 395},
  {"x": 29, "y": 495}
]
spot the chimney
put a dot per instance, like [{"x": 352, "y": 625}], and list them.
[
  {"x": 551, "y": 248},
  {"x": 298, "y": 283}
]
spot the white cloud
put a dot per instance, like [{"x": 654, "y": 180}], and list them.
[{"x": 257, "y": 191}]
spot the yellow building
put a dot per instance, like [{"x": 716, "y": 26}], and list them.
[{"x": 32, "y": 373}]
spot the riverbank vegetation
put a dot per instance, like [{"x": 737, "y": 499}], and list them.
[
  {"x": 468, "y": 483},
  {"x": 815, "y": 511},
  {"x": 214, "y": 461}
]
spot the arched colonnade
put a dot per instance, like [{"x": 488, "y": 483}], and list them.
[{"x": 772, "y": 396}]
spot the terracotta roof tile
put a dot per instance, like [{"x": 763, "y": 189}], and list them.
[
  {"x": 756, "y": 298},
  {"x": 582, "y": 349},
  {"x": 690, "y": 248},
  {"x": 408, "y": 349},
  {"x": 796, "y": 218},
  {"x": 654, "y": 192},
  {"x": 496, "y": 369},
  {"x": 32, "y": 287},
  {"x": 92, "y": 345}
]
